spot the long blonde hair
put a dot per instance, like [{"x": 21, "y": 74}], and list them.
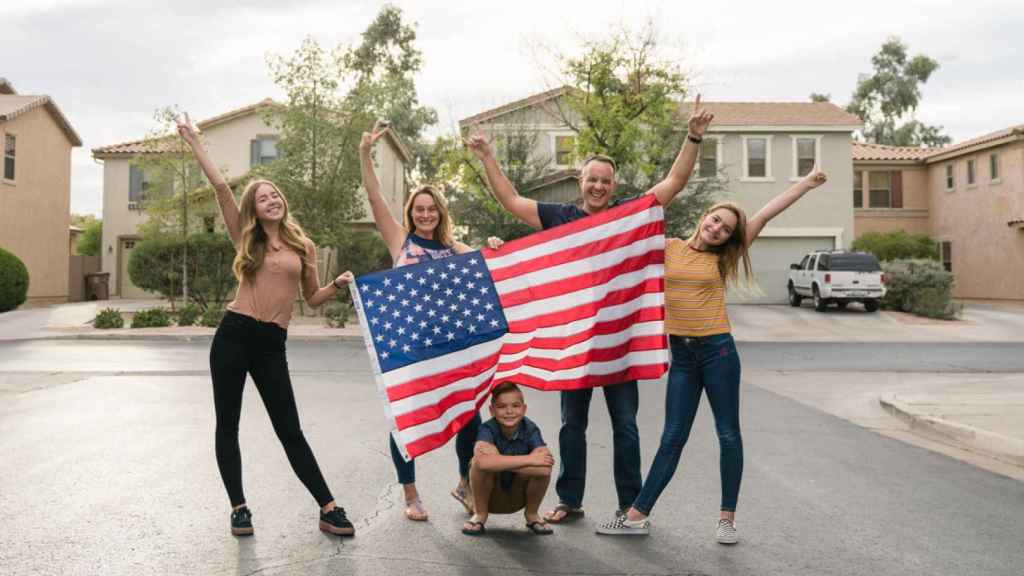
[
  {"x": 443, "y": 231},
  {"x": 252, "y": 248},
  {"x": 735, "y": 250}
]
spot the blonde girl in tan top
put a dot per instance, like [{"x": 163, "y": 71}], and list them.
[
  {"x": 704, "y": 358},
  {"x": 273, "y": 259}
]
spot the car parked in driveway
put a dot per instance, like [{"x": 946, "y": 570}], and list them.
[{"x": 837, "y": 277}]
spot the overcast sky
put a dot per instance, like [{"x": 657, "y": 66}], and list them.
[{"x": 110, "y": 63}]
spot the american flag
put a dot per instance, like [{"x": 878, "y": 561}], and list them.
[{"x": 576, "y": 306}]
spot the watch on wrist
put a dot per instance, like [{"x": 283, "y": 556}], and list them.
[{"x": 694, "y": 139}]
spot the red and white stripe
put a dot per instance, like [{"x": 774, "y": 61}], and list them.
[{"x": 585, "y": 307}]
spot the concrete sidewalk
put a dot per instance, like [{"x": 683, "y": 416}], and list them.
[{"x": 981, "y": 413}]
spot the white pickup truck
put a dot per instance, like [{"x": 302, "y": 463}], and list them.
[{"x": 837, "y": 276}]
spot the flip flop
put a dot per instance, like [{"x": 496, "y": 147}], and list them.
[
  {"x": 415, "y": 511},
  {"x": 539, "y": 527},
  {"x": 462, "y": 496},
  {"x": 477, "y": 528},
  {"x": 567, "y": 514}
]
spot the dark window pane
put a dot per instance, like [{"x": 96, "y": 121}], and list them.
[
  {"x": 756, "y": 157},
  {"x": 879, "y": 199},
  {"x": 805, "y": 155},
  {"x": 858, "y": 199},
  {"x": 855, "y": 263},
  {"x": 9, "y": 168}
]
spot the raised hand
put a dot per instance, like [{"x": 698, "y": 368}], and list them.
[
  {"x": 478, "y": 145},
  {"x": 344, "y": 278},
  {"x": 494, "y": 242},
  {"x": 815, "y": 178},
  {"x": 186, "y": 130},
  {"x": 699, "y": 119},
  {"x": 370, "y": 138}
]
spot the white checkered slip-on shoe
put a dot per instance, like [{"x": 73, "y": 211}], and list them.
[
  {"x": 621, "y": 526},
  {"x": 726, "y": 533}
]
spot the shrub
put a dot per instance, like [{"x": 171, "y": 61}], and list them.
[
  {"x": 211, "y": 317},
  {"x": 362, "y": 251},
  {"x": 920, "y": 287},
  {"x": 13, "y": 281},
  {"x": 155, "y": 265},
  {"x": 91, "y": 240},
  {"x": 897, "y": 245},
  {"x": 152, "y": 318},
  {"x": 108, "y": 318},
  {"x": 337, "y": 313},
  {"x": 189, "y": 314}
]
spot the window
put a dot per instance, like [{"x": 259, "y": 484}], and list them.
[
  {"x": 805, "y": 155},
  {"x": 993, "y": 167},
  {"x": 808, "y": 263},
  {"x": 950, "y": 181},
  {"x": 946, "y": 251},
  {"x": 708, "y": 161},
  {"x": 564, "y": 146},
  {"x": 971, "y": 180},
  {"x": 9, "y": 148},
  {"x": 858, "y": 189},
  {"x": 880, "y": 192},
  {"x": 262, "y": 151},
  {"x": 757, "y": 157},
  {"x": 823, "y": 263},
  {"x": 138, "y": 185}
]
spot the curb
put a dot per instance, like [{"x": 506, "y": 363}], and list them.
[{"x": 965, "y": 436}]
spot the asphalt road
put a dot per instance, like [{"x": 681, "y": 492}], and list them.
[{"x": 106, "y": 467}]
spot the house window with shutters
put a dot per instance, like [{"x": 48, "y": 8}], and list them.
[
  {"x": 880, "y": 192},
  {"x": 262, "y": 150},
  {"x": 858, "y": 189},
  {"x": 138, "y": 185},
  {"x": 10, "y": 147}
]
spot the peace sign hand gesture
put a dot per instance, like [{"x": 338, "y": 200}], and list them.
[
  {"x": 478, "y": 145},
  {"x": 699, "y": 119},
  {"x": 186, "y": 130},
  {"x": 370, "y": 138}
]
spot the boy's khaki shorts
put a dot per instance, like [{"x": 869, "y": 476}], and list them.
[{"x": 511, "y": 500}]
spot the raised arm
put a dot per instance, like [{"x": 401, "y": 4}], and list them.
[
  {"x": 776, "y": 205},
  {"x": 225, "y": 198},
  {"x": 682, "y": 167},
  {"x": 523, "y": 208},
  {"x": 390, "y": 229}
]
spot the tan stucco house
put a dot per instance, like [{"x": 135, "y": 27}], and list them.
[
  {"x": 237, "y": 141},
  {"x": 760, "y": 148},
  {"x": 35, "y": 189},
  {"x": 968, "y": 196}
]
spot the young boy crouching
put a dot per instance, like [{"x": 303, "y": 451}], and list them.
[{"x": 511, "y": 465}]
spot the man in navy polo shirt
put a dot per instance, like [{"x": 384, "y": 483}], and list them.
[
  {"x": 597, "y": 187},
  {"x": 511, "y": 466}
]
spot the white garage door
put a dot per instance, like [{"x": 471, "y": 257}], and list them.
[{"x": 771, "y": 257}]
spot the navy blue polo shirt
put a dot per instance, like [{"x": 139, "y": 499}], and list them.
[
  {"x": 554, "y": 214},
  {"x": 526, "y": 439}
]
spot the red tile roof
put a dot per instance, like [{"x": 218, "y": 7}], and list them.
[
  {"x": 990, "y": 138},
  {"x": 863, "y": 151}
]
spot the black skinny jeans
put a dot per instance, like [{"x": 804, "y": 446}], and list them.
[{"x": 243, "y": 345}]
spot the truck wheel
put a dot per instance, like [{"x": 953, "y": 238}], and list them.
[
  {"x": 871, "y": 305},
  {"x": 794, "y": 298},
  {"x": 820, "y": 304}
]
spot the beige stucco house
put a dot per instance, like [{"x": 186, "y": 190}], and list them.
[
  {"x": 35, "y": 189},
  {"x": 968, "y": 196},
  {"x": 237, "y": 141},
  {"x": 760, "y": 148}
]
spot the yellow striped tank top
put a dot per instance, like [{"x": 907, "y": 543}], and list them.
[{"x": 694, "y": 292}]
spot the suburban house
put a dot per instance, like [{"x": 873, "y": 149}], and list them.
[
  {"x": 968, "y": 196},
  {"x": 760, "y": 148},
  {"x": 237, "y": 141},
  {"x": 35, "y": 189}
]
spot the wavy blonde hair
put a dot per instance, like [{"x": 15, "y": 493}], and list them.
[
  {"x": 252, "y": 248},
  {"x": 443, "y": 231},
  {"x": 735, "y": 252}
]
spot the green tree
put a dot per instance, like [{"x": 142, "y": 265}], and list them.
[
  {"x": 897, "y": 245},
  {"x": 887, "y": 99},
  {"x": 818, "y": 97},
  {"x": 623, "y": 101},
  {"x": 91, "y": 240}
]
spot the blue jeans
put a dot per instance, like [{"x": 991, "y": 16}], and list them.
[
  {"x": 623, "y": 401},
  {"x": 465, "y": 441},
  {"x": 710, "y": 364}
]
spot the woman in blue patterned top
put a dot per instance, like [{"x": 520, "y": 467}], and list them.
[{"x": 425, "y": 234}]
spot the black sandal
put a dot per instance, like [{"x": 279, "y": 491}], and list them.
[
  {"x": 569, "y": 514},
  {"x": 478, "y": 528},
  {"x": 539, "y": 527}
]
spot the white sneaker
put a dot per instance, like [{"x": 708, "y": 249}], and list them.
[
  {"x": 621, "y": 526},
  {"x": 726, "y": 533}
]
